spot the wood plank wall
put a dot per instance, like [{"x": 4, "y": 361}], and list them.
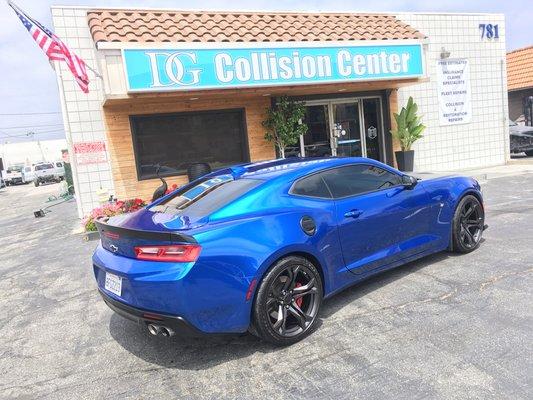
[{"x": 120, "y": 143}]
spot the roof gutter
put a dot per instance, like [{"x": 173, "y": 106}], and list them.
[{"x": 253, "y": 45}]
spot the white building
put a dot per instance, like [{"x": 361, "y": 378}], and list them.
[{"x": 184, "y": 87}]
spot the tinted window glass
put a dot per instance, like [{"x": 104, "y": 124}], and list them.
[
  {"x": 206, "y": 196},
  {"x": 41, "y": 167},
  {"x": 355, "y": 179},
  {"x": 175, "y": 141},
  {"x": 313, "y": 186}
]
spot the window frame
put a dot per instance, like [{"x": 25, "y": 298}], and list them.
[
  {"x": 135, "y": 142},
  {"x": 332, "y": 198}
]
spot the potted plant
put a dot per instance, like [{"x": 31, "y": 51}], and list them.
[
  {"x": 408, "y": 130},
  {"x": 284, "y": 123}
]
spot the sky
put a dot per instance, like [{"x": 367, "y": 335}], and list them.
[{"x": 29, "y": 100}]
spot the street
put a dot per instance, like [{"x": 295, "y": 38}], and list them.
[{"x": 444, "y": 327}]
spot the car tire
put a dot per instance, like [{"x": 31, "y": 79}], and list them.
[
  {"x": 287, "y": 302},
  {"x": 529, "y": 153},
  {"x": 468, "y": 224}
]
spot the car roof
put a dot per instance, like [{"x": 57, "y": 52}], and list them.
[{"x": 295, "y": 167}]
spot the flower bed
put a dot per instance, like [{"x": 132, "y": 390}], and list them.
[{"x": 111, "y": 209}]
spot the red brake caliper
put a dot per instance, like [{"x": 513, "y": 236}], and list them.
[{"x": 299, "y": 300}]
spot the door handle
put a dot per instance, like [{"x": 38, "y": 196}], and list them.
[{"x": 353, "y": 213}]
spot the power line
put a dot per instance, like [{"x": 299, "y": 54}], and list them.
[
  {"x": 44, "y": 130},
  {"x": 29, "y": 126},
  {"x": 25, "y": 135},
  {"x": 33, "y": 113}
]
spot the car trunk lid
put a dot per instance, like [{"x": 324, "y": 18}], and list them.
[{"x": 119, "y": 237}]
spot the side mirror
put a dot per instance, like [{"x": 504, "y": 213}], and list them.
[{"x": 409, "y": 182}]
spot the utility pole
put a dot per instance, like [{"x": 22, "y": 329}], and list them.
[
  {"x": 32, "y": 136},
  {"x": 4, "y": 161}
]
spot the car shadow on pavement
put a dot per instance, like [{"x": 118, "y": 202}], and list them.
[{"x": 205, "y": 352}]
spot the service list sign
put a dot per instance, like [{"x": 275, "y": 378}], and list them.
[
  {"x": 453, "y": 77},
  {"x": 221, "y": 67}
]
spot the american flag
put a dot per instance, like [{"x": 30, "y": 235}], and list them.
[{"x": 54, "y": 48}]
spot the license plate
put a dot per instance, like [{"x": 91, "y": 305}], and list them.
[{"x": 113, "y": 283}]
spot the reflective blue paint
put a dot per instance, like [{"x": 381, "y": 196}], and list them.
[{"x": 241, "y": 240}]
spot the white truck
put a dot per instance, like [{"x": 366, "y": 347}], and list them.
[
  {"x": 13, "y": 175},
  {"x": 48, "y": 172}
]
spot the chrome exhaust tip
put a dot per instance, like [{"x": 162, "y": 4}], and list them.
[
  {"x": 154, "y": 329},
  {"x": 166, "y": 332}
]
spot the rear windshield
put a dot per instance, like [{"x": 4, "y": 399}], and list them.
[
  {"x": 14, "y": 169},
  {"x": 206, "y": 196},
  {"x": 40, "y": 167}
]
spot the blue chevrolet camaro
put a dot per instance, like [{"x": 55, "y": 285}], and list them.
[{"x": 258, "y": 247}]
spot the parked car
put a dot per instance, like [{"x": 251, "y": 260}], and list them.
[
  {"x": 258, "y": 247},
  {"x": 28, "y": 174},
  {"x": 60, "y": 169},
  {"x": 47, "y": 172},
  {"x": 521, "y": 138},
  {"x": 13, "y": 175}
]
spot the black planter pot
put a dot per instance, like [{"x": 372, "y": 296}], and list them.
[
  {"x": 197, "y": 170},
  {"x": 405, "y": 160}
]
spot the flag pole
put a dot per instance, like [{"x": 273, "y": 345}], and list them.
[
  {"x": 16, "y": 7},
  {"x": 96, "y": 73}
]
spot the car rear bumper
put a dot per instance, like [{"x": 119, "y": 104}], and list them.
[
  {"x": 209, "y": 298},
  {"x": 46, "y": 178},
  {"x": 143, "y": 317}
]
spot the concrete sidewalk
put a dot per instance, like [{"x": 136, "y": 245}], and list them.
[{"x": 516, "y": 166}]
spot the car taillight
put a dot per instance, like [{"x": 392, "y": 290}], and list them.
[{"x": 173, "y": 253}]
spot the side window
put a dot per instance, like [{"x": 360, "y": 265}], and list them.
[
  {"x": 356, "y": 179},
  {"x": 312, "y": 186}
]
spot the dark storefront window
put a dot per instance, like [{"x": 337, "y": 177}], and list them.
[{"x": 176, "y": 141}]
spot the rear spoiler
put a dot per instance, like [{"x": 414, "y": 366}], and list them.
[{"x": 117, "y": 232}]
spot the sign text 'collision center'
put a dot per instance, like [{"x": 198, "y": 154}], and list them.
[{"x": 174, "y": 69}]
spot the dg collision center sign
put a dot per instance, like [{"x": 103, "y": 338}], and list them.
[{"x": 242, "y": 65}]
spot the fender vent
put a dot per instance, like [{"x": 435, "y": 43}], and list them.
[{"x": 308, "y": 225}]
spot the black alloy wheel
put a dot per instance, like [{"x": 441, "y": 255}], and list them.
[
  {"x": 468, "y": 224},
  {"x": 288, "y": 301}
]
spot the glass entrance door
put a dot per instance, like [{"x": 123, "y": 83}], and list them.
[
  {"x": 373, "y": 129},
  {"x": 347, "y": 130}
]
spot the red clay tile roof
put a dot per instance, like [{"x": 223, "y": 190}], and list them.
[
  {"x": 123, "y": 25},
  {"x": 520, "y": 69}
]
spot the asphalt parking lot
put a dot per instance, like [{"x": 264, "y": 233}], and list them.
[{"x": 445, "y": 327}]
